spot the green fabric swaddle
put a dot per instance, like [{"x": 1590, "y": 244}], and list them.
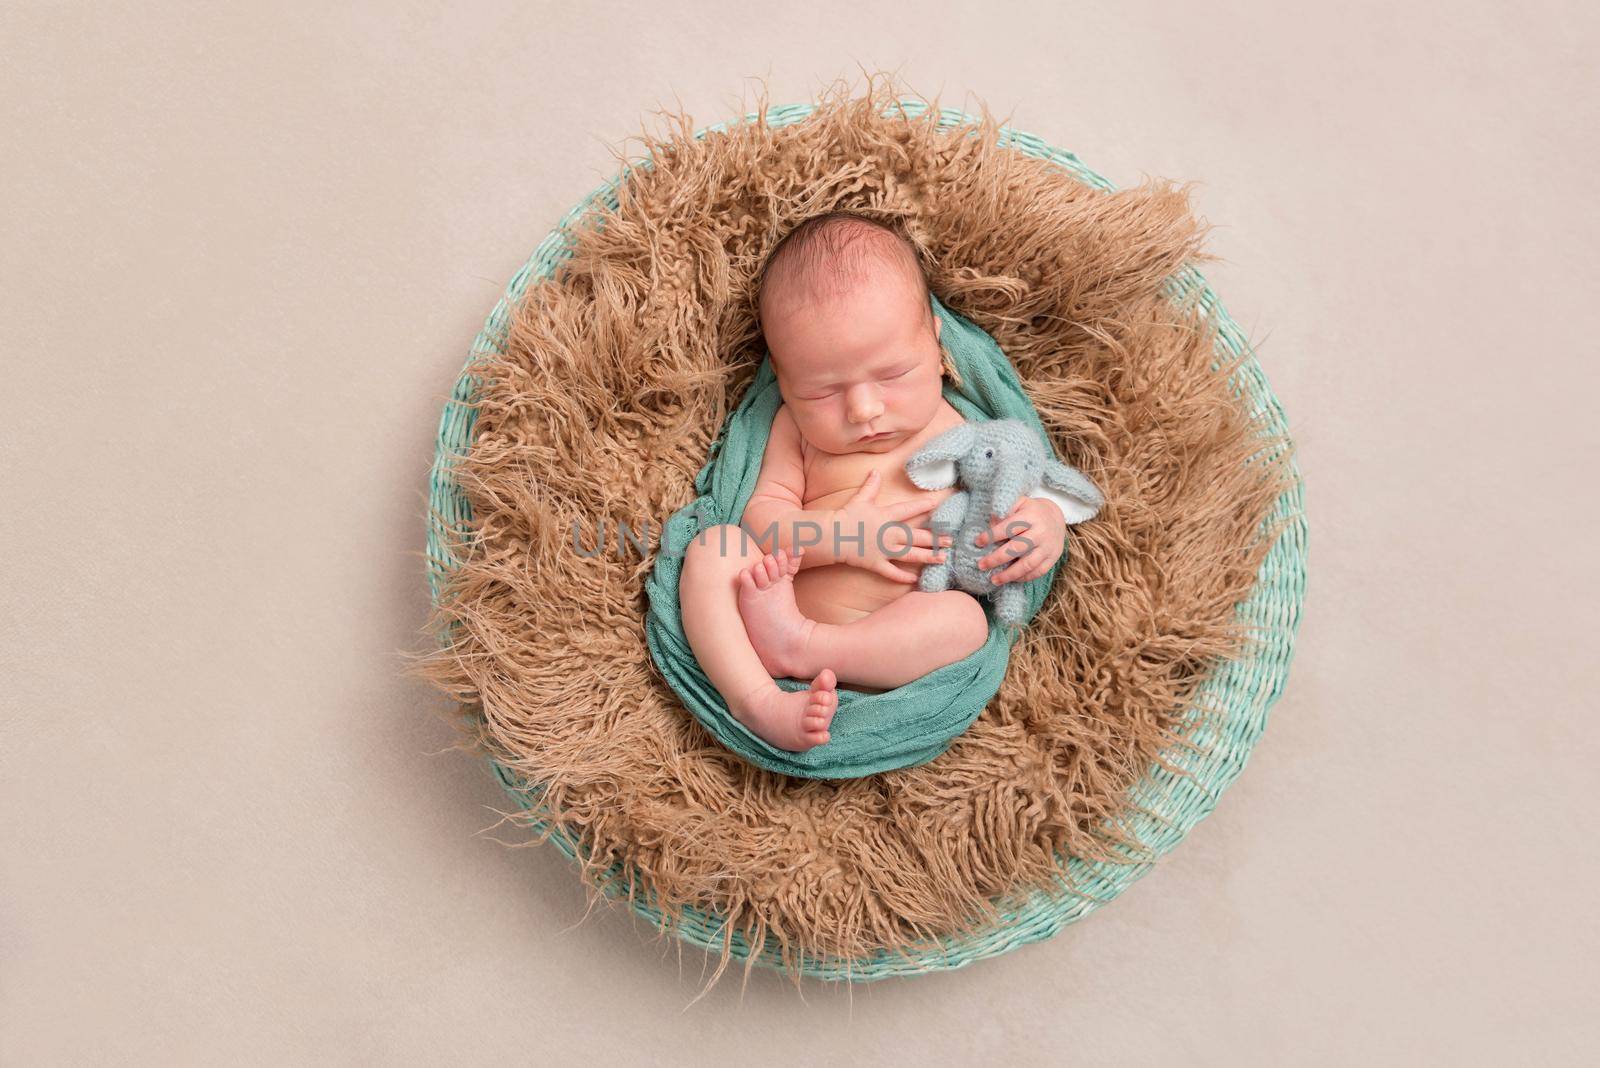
[{"x": 871, "y": 732}]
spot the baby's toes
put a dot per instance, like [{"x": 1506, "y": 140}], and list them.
[
  {"x": 821, "y": 707},
  {"x": 815, "y": 724},
  {"x": 770, "y": 564}
]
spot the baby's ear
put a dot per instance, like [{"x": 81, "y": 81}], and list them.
[
  {"x": 947, "y": 366},
  {"x": 1075, "y": 495}
]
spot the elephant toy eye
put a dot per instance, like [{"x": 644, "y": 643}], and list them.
[{"x": 988, "y": 454}]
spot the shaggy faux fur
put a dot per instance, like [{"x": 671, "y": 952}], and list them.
[{"x": 619, "y": 373}]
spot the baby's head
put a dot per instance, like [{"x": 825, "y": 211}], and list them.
[{"x": 848, "y": 320}]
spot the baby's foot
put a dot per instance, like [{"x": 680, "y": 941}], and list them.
[
  {"x": 777, "y": 629},
  {"x": 794, "y": 721}
]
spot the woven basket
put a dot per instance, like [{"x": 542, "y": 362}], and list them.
[{"x": 1167, "y": 803}]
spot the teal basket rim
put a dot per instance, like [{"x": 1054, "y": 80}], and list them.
[{"x": 1177, "y": 792}]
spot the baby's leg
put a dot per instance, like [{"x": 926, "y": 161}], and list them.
[
  {"x": 904, "y": 640},
  {"x": 708, "y": 597}
]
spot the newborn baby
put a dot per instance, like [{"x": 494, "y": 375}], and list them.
[{"x": 818, "y": 580}]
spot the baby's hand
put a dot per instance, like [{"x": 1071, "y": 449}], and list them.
[
  {"x": 888, "y": 545},
  {"x": 1030, "y": 540}
]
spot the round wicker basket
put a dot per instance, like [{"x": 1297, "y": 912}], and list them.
[{"x": 1169, "y": 802}]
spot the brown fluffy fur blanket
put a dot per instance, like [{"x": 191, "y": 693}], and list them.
[{"x": 617, "y": 377}]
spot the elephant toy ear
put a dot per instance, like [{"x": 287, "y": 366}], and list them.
[
  {"x": 934, "y": 465},
  {"x": 1075, "y": 494}
]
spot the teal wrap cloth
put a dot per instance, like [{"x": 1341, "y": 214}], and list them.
[{"x": 871, "y": 732}]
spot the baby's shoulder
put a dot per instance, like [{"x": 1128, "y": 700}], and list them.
[
  {"x": 784, "y": 428},
  {"x": 784, "y": 436}
]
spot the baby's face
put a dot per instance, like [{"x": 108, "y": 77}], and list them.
[{"x": 863, "y": 373}]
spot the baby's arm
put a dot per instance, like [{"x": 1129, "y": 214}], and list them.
[{"x": 775, "y": 514}]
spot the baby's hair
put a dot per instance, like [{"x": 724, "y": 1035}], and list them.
[{"x": 826, "y": 254}]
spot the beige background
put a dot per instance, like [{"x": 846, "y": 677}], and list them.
[{"x": 244, "y": 252}]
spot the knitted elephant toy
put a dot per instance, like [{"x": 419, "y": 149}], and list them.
[{"x": 998, "y": 462}]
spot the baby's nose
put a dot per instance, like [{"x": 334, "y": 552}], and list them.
[{"x": 863, "y": 403}]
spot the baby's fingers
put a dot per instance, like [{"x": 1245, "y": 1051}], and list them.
[
  {"x": 869, "y": 488},
  {"x": 927, "y": 538},
  {"x": 1008, "y": 552},
  {"x": 1008, "y": 527},
  {"x": 888, "y": 569},
  {"x": 1025, "y": 568},
  {"x": 912, "y": 506},
  {"x": 917, "y": 555}
]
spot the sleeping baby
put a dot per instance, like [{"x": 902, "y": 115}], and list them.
[{"x": 818, "y": 581}]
